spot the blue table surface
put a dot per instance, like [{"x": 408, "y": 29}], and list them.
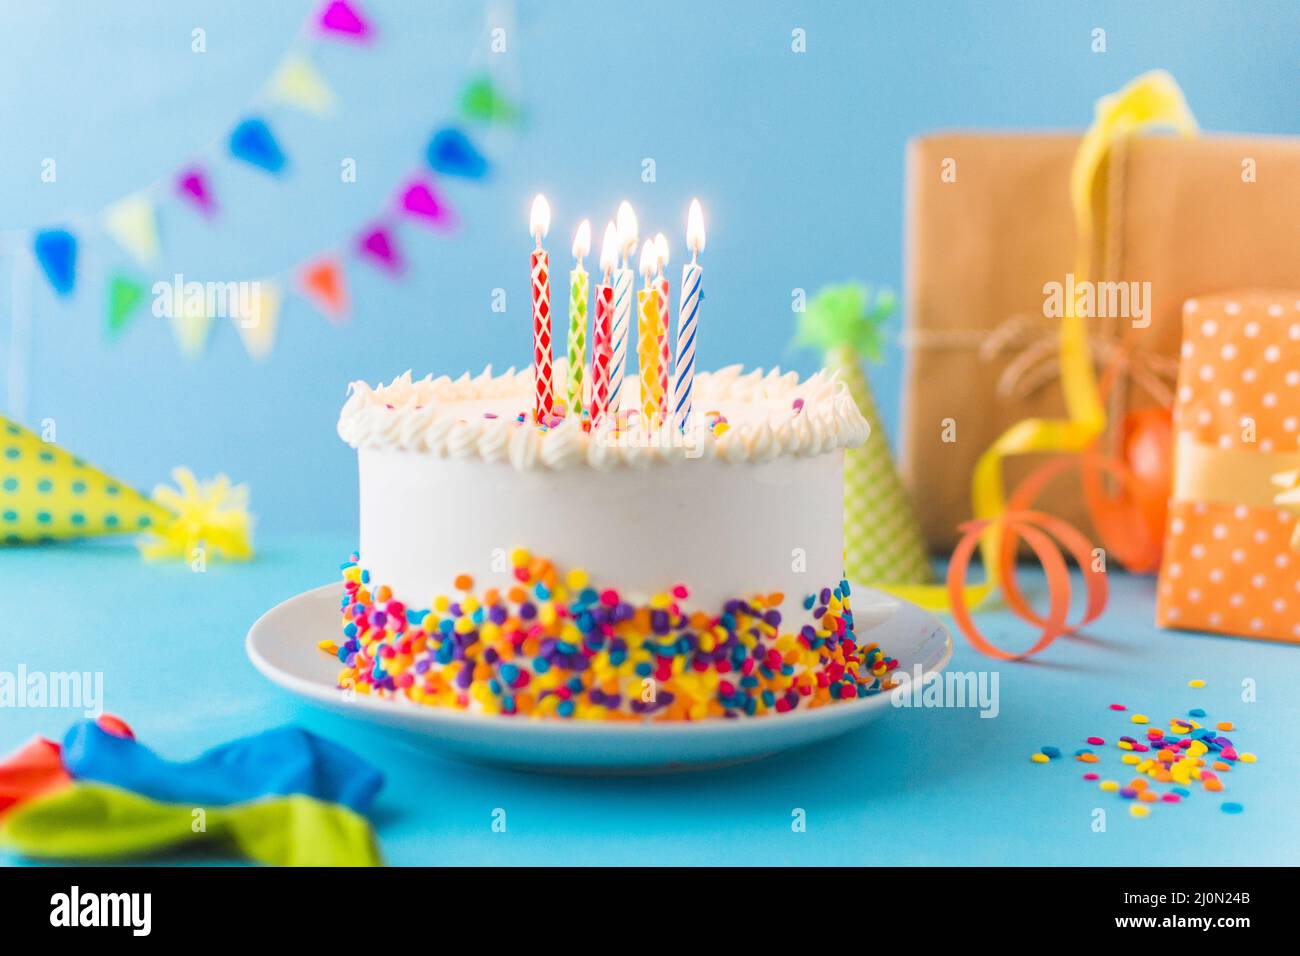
[{"x": 921, "y": 786}]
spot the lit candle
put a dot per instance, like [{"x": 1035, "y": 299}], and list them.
[
  {"x": 578, "y": 288},
  {"x": 627, "y": 240},
  {"x": 539, "y": 223},
  {"x": 661, "y": 287},
  {"x": 688, "y": 312},
  {"x": 650, "y": 326},
  {"x": 601, "y": 346}
]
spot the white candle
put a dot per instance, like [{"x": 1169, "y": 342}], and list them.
[
  {"x": 688, "y": 312},
  {"x": 627, "y": 239}
]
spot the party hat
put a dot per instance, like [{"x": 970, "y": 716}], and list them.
[
  {"x": 882, "y": 538},
  {"x": 47, "y": 494}
]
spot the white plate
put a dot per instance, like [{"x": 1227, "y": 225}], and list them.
[{"x": 282, "y": 645}]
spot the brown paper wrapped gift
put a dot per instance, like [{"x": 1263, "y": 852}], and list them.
[{"x": 989, "y": 223}]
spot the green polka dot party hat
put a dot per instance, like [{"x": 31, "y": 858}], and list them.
[
  {"x": 49, "y": 494},
  {"x": 882, "y": 538}
]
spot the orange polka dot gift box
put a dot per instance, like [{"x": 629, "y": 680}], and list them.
[{"x": 1232, "y": 552}]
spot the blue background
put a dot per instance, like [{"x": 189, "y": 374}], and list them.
[{"x": 798, "y": 159}]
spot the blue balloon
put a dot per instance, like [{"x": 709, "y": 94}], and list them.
[
  {"x": 254, "y": 143},
  {"x": 451, "y": 152},
  {"x": 56, "y": 251},
  {"x": 286, "y": 760}
]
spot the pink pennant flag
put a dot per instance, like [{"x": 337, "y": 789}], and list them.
[
  {"x": 342, "y": 19},
  {"x": 192, "y": 186},
  {"x": 377, "y": 245},
  {"x": 421, "y": 201}
]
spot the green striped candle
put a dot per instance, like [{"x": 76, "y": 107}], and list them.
[{"x": 578, "y": 288}]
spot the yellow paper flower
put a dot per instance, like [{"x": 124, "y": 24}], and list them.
[
  {"x": 1289, "y": 497},
  {"x": 210, "y": 514}
]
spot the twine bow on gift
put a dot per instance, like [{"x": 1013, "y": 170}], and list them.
[{"x": 1034, "y": 344}]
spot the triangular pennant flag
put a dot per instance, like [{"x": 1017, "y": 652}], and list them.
[
  {"x": 322, "y": 282},
  {"x": 192, "y": 186},
  {"x": 131, "y": 222},
  {"x": 481, "y": 100},
  {"x": 342, "y": 19},
  {"x": 254, "y": 143},
  {"x": 124, "y": 294},
  {"x": 377, "y": 245},
  {"x": 257, "y": 331},
  {"x": 451, "y": 152},
  {"x": 191, "y": 323},
  {"x": 420, "y": 201},
  {"x": 298, "y": 84},
  {"x": 56, "y": 251}
]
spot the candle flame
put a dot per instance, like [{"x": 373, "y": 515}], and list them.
[
  {"x": 539, "y": 220},
  {"x": 628, "y": 231},
  {"x": 695, "y": 228},
  {"x": 582, "y": 240},
  {"x": 661, "y": 250},
  {"x": 649, "y": 259},
  {"x": 609, "y": 249}
]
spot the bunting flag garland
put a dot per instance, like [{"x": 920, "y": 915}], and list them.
[
  {"x": 299, "y": 85},
  {"x": 254, "y": 143},
  {"x": 131, "y": 222},
  {"x": 480, "y": 100},
  {"x": 124, "y": 295},
  {"x": 56, "y": 251},
  {"x": 451, "y": 152},
  {"x": 191, "y": 323},
  {"x": 192, "y": 186},
  {"x": 376, "y": 244},
  {"x": 322, "y": 282},
  {"x": 257, "y": 331},
  {"x": 341, "y": 19},
  {"x": 421, "y": 202}
]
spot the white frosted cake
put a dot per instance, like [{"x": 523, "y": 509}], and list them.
[{"x": 555, "y": 570}]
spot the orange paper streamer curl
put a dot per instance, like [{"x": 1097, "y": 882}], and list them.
[{"x": 1045, "y": 536}]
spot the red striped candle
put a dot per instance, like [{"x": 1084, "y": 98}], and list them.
[{"x": 539, "y": 224}]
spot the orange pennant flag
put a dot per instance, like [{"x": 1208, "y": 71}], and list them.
[{"x": 322, "y": 282}]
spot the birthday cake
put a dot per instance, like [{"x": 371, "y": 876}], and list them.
[{"x": 569, "y": 542}]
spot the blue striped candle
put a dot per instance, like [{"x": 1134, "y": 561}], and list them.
[{"x": 688, "y": 313}]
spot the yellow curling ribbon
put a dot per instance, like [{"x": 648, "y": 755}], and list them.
[{"x": 1152, "y": 100}]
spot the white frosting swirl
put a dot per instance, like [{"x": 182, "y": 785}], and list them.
[{"x": 768, "y": 415}]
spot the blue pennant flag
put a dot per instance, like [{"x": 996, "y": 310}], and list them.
[
  {"x": 450, "y": 152},
  {"x": 56, "y": 251},
  {"x": 254, "y": 143}
]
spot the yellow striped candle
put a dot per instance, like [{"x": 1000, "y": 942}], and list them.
[
  {"x": 650, "y": 329},
  {"x": 579, "y": 284}
]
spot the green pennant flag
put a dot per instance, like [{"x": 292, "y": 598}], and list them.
[
  {"x": 124, "y": 294},
  {"x": 481, "y": 100}
]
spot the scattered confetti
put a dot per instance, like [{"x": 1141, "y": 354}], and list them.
[
  {"x": 1051, "y": 751},
  {"x": 1040, "y": 758},
  {"x": 1196, "y": 683},
  {"x": 1169, "y": 764}
]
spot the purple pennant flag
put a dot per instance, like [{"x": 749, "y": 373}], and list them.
[
  {"x": 342, "y": 19},
  {"x": 192, "y": 186},
  {"x": 421, "y": 201},
  {"x": 376, "y": 244}
]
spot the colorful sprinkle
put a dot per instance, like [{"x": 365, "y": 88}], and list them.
[
  {"x": 1231, "y": 807},
  {"x": 550, "y": 645},
  {"x": 1196, "y": 683},
  {"x": 1118, "y": 707},
  {"x": 1096, "y": 741},
  {"x": 1139, "y": 718},
  {"x": 1052, "y": 752},
  {"x": 1040, "y": 758}
]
